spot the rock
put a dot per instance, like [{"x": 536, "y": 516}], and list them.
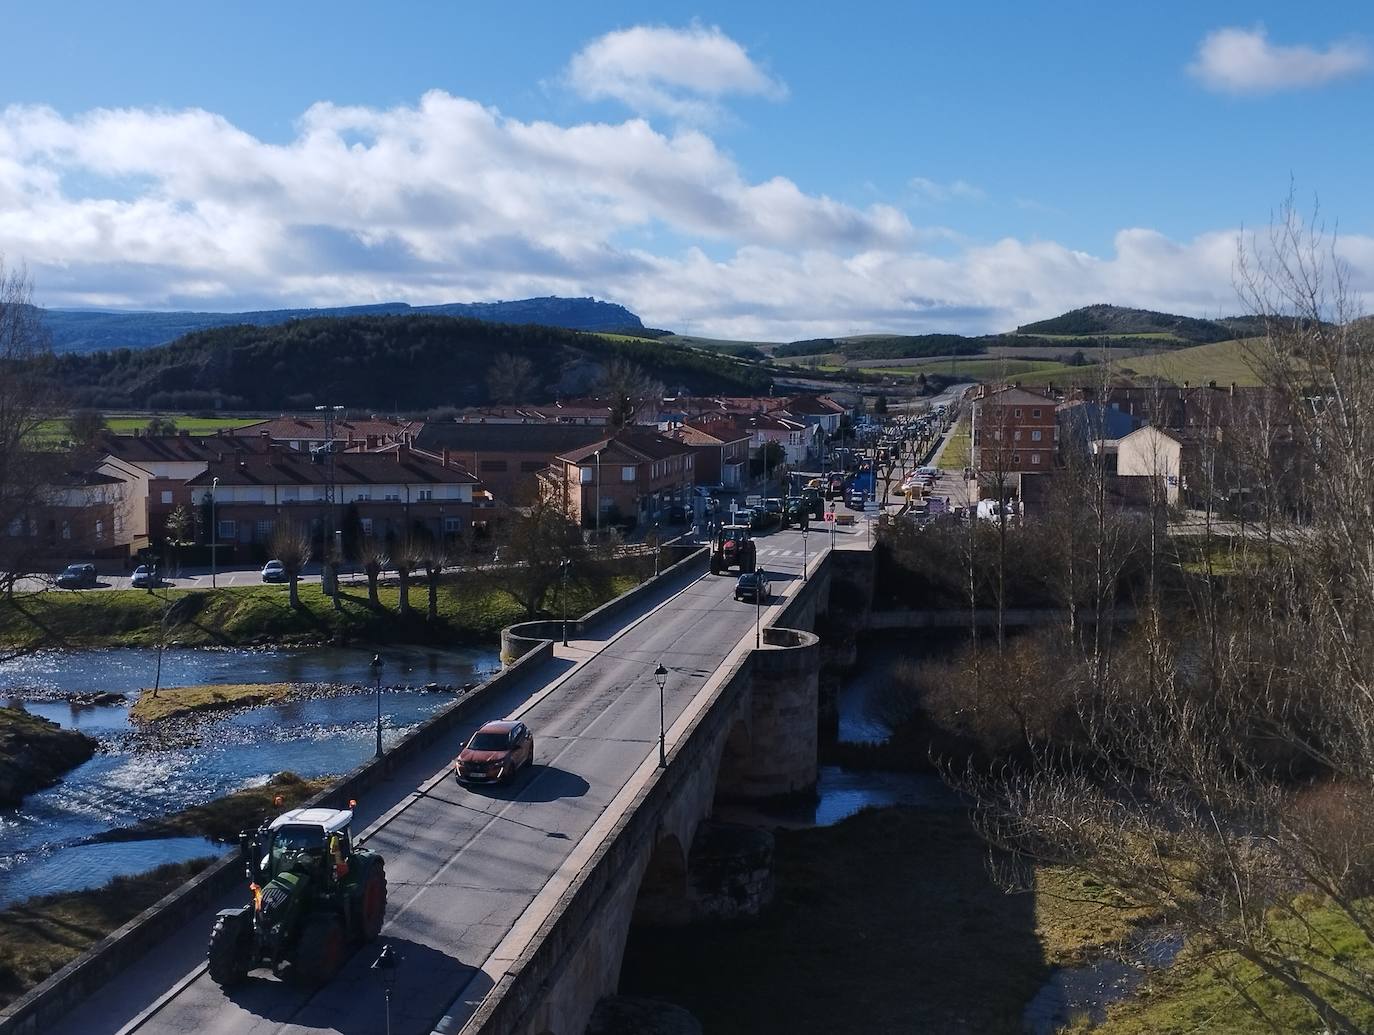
[
  {"x": 93, "y": 700},
  {"x": 629, "y": 1015},
  {"x": 35, "y": 753}
]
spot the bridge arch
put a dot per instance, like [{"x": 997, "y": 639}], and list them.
[{"x": 662, "y": 899}]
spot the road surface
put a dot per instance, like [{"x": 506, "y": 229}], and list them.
[{"x": 463, "y": 865}]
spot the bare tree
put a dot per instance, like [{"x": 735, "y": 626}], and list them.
[
  {"x": 510, "y": 378},
  {"x": 375, "y": 557},
  {"x": 180, "y": 528},
  {"x": 27, "y": 400},
  {"x": 537, "y": 542},
  {"x": 85, "y": 425},
  {"x": 435, "y": 555},
  {"x": 627, "y": 387},
  {"x": 405, "y": 555},
  {"x": 292, "y": 545}
]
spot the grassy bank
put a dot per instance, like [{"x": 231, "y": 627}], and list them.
[
  {"x": 35, "y": 753},
  {"x": 889, "y": 922},
  {"x": 1199, "y": 992},
  {"x": 42, "y": 935},
  {"x": 183, "y": 700},
  {"x": 468, "y": 613},
  {"x": 225, "y": 818}
]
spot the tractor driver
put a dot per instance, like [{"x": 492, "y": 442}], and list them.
[{"x": 298, "y": 848}]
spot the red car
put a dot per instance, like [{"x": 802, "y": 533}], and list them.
[{"x": 495, "y": 753}]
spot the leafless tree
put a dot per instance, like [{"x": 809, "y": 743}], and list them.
[
  {"x": 435, "y": 555},
  {"x": 27, "y": 400},
  {"x": 627, "y": 387},
  {"x": 292, "y": 545},
  {"x": 405, "y": 555},
  {"x": 537, "y": 542},
  {"x": 510, "y": 378},
  {"x": 1220, "y": 769},
  {"x": 375, "y": 557}
]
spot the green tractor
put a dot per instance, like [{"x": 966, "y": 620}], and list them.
[{"x": 315, "y": 895}]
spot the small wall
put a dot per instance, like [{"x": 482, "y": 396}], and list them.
[
  {"x": 784, "y": 681},
  {"x": 40, "y": 1008}
]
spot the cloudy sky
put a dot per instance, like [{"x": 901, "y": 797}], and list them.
[{"x": 790, "y": 170}]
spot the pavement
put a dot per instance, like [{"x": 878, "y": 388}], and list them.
[{"x": 464, "y": 865}]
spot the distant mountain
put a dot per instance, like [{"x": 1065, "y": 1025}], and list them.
[
  {"x": 89, "y": 330},
  {"x": 405, "y": 362},
  {"x": 1113, "y": 319}
]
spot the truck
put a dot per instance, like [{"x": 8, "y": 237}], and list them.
[{"x": 315, "y": 896}]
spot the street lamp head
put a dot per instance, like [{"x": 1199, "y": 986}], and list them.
[
  {"x": 661, "y": 674},
  {"x": 385, "y": 964}
]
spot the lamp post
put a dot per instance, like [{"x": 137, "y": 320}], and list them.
[
  {"x": 214, "y": 534},
  {"x": 375, "y": 668},
  {"x": 563, "y": 564},
  {"x": 661, "y": 676},
  {"x": 805, "y": 533},
  {"x": 385, "y": 966},
  {"x": 598, "y": 495},
  {"x": 758, "y": 608}
]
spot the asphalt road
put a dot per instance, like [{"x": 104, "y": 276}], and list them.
[{"x": 463, "y": 865}]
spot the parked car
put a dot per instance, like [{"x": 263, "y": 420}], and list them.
[
  {"x": 677, "y": 515},
  {"x": 145, "y": 576},
  {"x": 754, "y": 587},
  {"x": 77, "y": 576},
  {"x": 274, "y": 571},
  {"x": 495, "y": 753}
]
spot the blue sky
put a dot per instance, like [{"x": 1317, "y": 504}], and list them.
[{"x": 780, "y": 170}]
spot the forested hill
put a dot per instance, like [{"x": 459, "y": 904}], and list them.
[
  {"x": 1114, "y": 320},
  {"x": 393, "y": 363},
  {"x": 83, "y": 330}
]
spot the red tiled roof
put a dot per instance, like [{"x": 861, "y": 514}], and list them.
[{"x": 293, "y": 467}]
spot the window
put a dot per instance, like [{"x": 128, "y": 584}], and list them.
[
  {"x": 1018, "y": 412},
  {"x": 1035, "y": 459},
  {"x": 1016, "y": 435},
  {"x": 627, "y": 473},
  {"x": 425, "y": 495},
  {"x": 366, "y": 524},
  {"x": 1035, "y": 414},
  {"x": 263, "y": 529},
  {"x": 16, "y": 527},
  {"x": 66, "y": 530},
  {"x": 493, "y": 465},
  {"x": 362, "y": 494},
  {"x": 453, "y": 524},
  {"x": 586, "y": 475},
  {"x": 393, "y": 496},
  {"x": 99, "y": 529},
  {"x": 228, "y": 529},
  {"x": 997, "y": 435},
  {"x": 1035, "y": 435},
  {"x": 166, "y": 495},
  {"x": 1015, "y": 459}
]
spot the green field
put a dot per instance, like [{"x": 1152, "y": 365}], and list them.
[
  {"x": 1224, "y": 362},
  {"x": 54, "y": 431},
  {"x": 978, "y": 369}
]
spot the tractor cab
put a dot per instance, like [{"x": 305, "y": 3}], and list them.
[
  {"x": 310, "y": 842},
  {"x": 733, "y": 548}
]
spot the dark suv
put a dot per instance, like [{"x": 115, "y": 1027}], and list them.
[
  {"x": 77, "y": 576},
  {"x": 753, "y": 586}
]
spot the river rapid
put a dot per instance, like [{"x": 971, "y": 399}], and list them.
[{"x": 44, "y": 844}]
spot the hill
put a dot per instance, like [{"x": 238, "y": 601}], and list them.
[
  {"x": 400, "y": 363},
  {"x": 1225, "y": 362},
  {"x": 1116, "y": 320},
  {"x": 83, "y": 330}
]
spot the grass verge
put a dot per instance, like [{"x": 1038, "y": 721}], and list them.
[
  {"x": 886, "y": 922},
  {"x": 958, "y": 451},
  {"x": 183, "y": 700},
  {"x": 237, "y": 616},
  {"x": 40, "y": 936}
]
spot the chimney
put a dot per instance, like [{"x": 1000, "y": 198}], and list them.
[
  {"x": 1233, "y": 388},
  {"x": 402, "y": 454},
  {"x": 446, "y": 458}
]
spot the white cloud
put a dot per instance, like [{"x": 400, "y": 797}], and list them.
[
  {"x": 447, "y": 200},
  {"x": 939, "y": 193},
  {"x": 1241, "y": 61},
  {"x": 679, "y": 72}
]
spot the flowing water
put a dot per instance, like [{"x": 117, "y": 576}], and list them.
[{"x": 133, "y": 778}]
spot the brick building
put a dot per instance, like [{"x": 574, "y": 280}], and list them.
[
  {"x": 634, "y": 473},
  {"x": 1013, "y": 430},
  {"x": 721, "y": 451},
  {"x": 506, "y": 457}
]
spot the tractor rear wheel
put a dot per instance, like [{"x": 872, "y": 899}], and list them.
[
  {"x": 373, "y": 902},
  {"x": 230, "y": 955},
  {"x": 320, "y": 950}
]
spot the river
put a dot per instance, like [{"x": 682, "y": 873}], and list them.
[{"x": 42, "y": 847}]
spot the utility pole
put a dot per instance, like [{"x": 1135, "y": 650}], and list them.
[{"x": 329, "y": 537}]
